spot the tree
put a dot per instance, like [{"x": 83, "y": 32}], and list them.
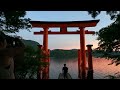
[
  {"x": 109, "y": 37},
  {"x": 28, "y": 68},
  {"x": 13, "y": 21},
  {"x": 113, "y": 14}
]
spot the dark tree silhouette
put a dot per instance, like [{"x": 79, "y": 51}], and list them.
[
  {"x": 13, "y": 21},
  {"x": 109, "y": 37}
]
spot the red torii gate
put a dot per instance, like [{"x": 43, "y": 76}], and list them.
[{"x": 63, "y": 30}]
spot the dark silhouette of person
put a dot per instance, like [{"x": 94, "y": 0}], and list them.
[{"x": 65, "y": 71}]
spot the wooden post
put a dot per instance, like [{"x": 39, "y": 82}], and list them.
[
  {"x": 83, "y": 53},
  {"x": 45, "y": 39},
  {"x": 45, "y": 49},
  {"x": 90, "y": 63},
  {"x": 79, "y": 64}
]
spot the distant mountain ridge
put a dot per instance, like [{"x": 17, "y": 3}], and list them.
[
  {"x": 60, "y": 53},
  {"x": 30, "y": 43},
  {"x": 72, "y": 53}
]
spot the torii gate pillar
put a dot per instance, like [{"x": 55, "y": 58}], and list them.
[
  {"x": 45, "y": 39},
  {"x": 83, "y": 52},
  {"x": 46, "y": 52}
]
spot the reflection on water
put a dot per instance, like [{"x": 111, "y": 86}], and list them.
[{"x": 101, "y": 67}]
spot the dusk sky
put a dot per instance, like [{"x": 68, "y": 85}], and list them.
[{"x": 64, "y": 41}]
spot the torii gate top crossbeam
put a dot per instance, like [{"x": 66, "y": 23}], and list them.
[{"x": 89, "y": 23}]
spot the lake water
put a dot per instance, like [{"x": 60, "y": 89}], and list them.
[{"x": 100, "y": 65}]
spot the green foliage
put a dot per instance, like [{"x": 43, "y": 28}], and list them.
[
  {"x": 113, "y": 14},
  {"x": 13, "y": 21},
  {"x": 29, "y": 67},
  {"x": 109, "y": 37},
  {"x": 94, "y": 13}
]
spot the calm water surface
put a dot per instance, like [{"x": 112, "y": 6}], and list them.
[{"x": 101, "y": 67}]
